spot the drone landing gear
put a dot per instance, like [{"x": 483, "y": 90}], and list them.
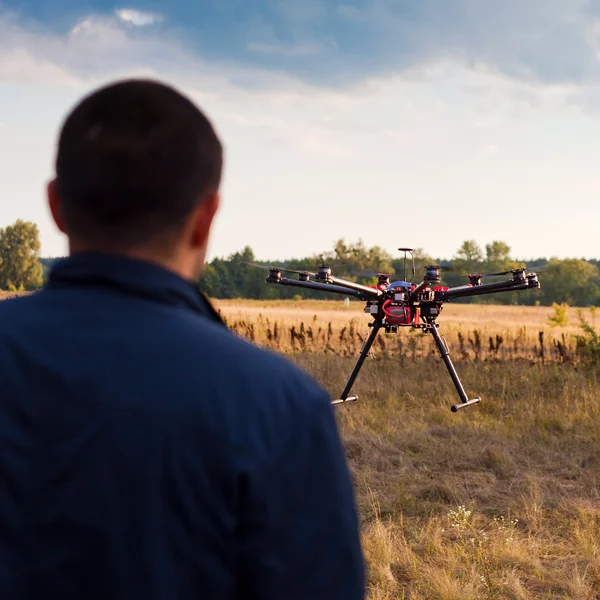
[
  {"x": 361, "y": 359},
  {"x": 443, "y": 348}
]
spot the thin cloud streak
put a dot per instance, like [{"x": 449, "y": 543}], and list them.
[{"x": 137, "y": 17}]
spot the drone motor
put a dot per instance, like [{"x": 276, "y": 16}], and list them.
[
  {"x": 323, "y": 274},
  {"x": 432, "y": 274},
  {"x": 274, "y": 276}
]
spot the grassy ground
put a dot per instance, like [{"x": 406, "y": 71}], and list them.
[
  {"x": 4, "y": 295},
  {"x": 500, "y": 500},
  {"x": 488, "y": 317},
  {"x": 530, "y": 451},
  {"x": 472, "y": 331}
]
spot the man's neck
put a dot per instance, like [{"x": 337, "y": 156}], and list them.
[{"x": 174, "y": 263}]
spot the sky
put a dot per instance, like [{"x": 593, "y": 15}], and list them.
[{"x": 402, "y": 123}]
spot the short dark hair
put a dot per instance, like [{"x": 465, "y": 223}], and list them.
[{"x": 134, "y": 158}]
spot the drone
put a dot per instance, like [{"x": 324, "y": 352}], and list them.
[{"x": 397, "y": 304}]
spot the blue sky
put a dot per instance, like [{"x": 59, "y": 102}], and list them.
[{"x": 404, "y": 123}]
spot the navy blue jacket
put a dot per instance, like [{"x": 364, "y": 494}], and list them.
[{"x": 148, "y": 452}]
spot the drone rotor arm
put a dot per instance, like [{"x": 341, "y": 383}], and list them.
[
  {"x": 273, "y": 267},
  {"x": 372, "y": 292},
  {"x": 487, "y": 288},
  {"x": 323, "y": 287},
  {"x": 415, "y": 293}
]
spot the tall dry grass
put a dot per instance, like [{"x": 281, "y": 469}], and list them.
[
  {"x": 500, "y": 500},
  {"x": 510, "y": 332},
  {"x": 525, "y": 463}
]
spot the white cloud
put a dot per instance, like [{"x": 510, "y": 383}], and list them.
[
  {"x": 95, "y": 32},
  {"x": 21, "y": 66},
  {"x": 553, "y": 41},
  {"x": 137, "y": 17},
  {"x": 368, "y": 161}
]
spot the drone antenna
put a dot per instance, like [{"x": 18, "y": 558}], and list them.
[{"x": 405, "y": 250}]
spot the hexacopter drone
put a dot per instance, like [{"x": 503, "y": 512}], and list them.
[{"x": 404, "y": 304}]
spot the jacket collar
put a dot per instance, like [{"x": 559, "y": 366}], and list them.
[{"x": 130, "y": 276}]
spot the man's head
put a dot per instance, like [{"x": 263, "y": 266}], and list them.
[{"x": 138, "y": 171}]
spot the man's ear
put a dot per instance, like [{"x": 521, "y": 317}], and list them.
[
  {"x": 202, "y": 223},
  {"x": 55, "y": 205}
]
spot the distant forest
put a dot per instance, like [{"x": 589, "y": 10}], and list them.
[{"x": 573, "y": 281}]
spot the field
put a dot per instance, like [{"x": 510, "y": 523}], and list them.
[
  {"x": 500, "y": 500},
  {"x": 476, "y": 331}
]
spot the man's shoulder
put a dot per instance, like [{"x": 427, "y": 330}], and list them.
[
  {"x": 26, "y": 304},
  {"x": 14, "y": 303},
  {"x": 262, "y": 364},
  {"x": 17, "y": 298},
  {"x": 270, "y": 377},
  {"x": 195, "y": 346}
]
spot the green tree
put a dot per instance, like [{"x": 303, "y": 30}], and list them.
[
  {"x": 468, "y": 258},
  {"x": 498, "y": 260},
  {"x": 497, "y": 257},
  {"x": 20, "y": 266},
  {"x": 348, "y": 260},
  {"x": 573, "y": 281},
  {"x": 576, "y": 282}
]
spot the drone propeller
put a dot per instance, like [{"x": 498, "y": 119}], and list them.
[
  {"x": 499, "y": 274},
  {"x": 374, "y": 274},
  {"x": 271, "y": 268},
  {"x": 509, "y": 272}
]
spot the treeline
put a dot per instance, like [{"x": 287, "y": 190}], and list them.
[
  {"x": 20, "y": 265},
  {"x": 573, "y": 281}
]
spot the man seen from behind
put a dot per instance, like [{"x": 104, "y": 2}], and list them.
[{"x": 147, "y": 452}]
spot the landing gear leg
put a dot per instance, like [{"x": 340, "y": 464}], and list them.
[
  {"x": 443, "y": 348},
  {"x": 361, "y": 359}
]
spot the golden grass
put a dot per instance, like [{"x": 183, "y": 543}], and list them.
[
  {"x": 486, "y": 317},
  {"x": 497, "y": 501},
  {"x": 4, "y": 295},
  {"x": 472, "y": 331},
  {"x": 525, "y": 462}
]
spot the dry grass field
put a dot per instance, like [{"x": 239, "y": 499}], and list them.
[
  {"x": 477, "y": 331},
  {"x": 500, "y": 500},
  {"x": 4, "y": 295}
]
